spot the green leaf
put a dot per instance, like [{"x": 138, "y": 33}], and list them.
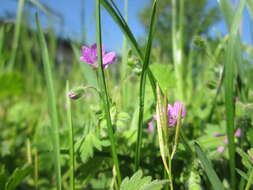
[
  {"x": 138, "y": 182},
  {"x": 155, "y": 185},
  {"x": 207, "y": 166},
  {"x": 12, "y": 84},
  {"x": 164, "y": 75},
  {"x": 242, "y": 174},
  {"x": 245, "y": 158},
  {"x": 90, "y": 142},
  {"x": 17, "y": 176}
]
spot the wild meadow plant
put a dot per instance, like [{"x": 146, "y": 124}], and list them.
[{"x": 181, "y": 115}]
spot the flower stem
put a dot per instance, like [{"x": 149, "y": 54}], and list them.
[
  {"x": 105, "y": 97},
  {"x": 71, "y": 141}
]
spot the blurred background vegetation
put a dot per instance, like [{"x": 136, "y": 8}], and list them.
[{"x": 24, "y": 118}]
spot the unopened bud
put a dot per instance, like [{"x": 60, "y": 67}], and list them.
[{"x": 76, "y": 93}]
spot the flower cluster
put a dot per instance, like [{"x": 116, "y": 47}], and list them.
[
  {"x": 90, "y": 56},
  {"x": 173, "y": 114},
  {"x": 221, "y": 149}
]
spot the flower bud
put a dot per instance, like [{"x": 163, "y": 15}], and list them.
[{"x": 76, "y": 93}]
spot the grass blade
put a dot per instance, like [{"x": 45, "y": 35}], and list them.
[
  {"x": 207, "y": 166},
  {"x": 40, "y": 6},
  {"x": 51, "y": 102},
  {"x": 105, "y": 96},
  {"x": 71, "y": 140},
  {"x": 229, "y": 81},
  {"x": 227, "y": 11},
  {"x": 118, "y": 18},
  {"x": 142, "y": 85},
  {"x": 16, "y": 34},
  {"x": 123, "y": 68}
]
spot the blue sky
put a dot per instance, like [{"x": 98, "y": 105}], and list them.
[{"x": 112, "y": 36}]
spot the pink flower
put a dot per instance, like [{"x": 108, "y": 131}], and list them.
[
  {"x": 225, "y": 140},
  {"x": 151, "y": 126},
  {"x": 90, "y": 56},
  {"x": 220, "y": 149},
  {"x": 173, "y": 112},
  {"x": 238, "y": 132}
]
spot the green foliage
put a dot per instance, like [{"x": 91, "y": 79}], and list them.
[
  {"x": 28, "y": 127},
  {"x": 193, "y": 9},
  {"x": 212, "y": 176},
  {"x": 17, "y": 176},
  {"x": 164, "y": 75},
  {"x": 87, "y": 146},
  {"x": 12, "y": 84},
  {"x": 138, "y": 182}
]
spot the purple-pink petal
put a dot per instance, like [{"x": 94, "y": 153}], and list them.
[
  {"x": 173, "y": 112},
  {"x": 220, "y": 149},
  {"x": 225, "y": 140},
  {"x": 218, "y": 135},
  {"x": 90, "y": 56},
  {"x": 109, "y": 58},
  {"x": 151, "y": 126},
  {"x": 238, "y": 132}
]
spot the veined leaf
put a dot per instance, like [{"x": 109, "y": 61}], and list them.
[
  {"x": 90, "y": 142},
  {"x": 138, "y": 182}
]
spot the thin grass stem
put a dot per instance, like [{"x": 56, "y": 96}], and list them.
[
  {"x": 142, "y": 87},
  {"x": 106, "y": 102},
  {"x": 71, "y": 140},
  {"x": 51, "y": 103}
]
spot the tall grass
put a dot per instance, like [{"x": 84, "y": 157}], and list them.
[
  {"x": 51, "y": 102},
  {"x": 231, "y": 63},
  {"x": 142, "y": 85},
  {"x": 15, "y": 42}
]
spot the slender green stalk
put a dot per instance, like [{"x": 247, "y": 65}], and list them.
[
  {"x": 229, "y": 81},
  {"x": 71, "y": 140},
  {"x": 29, "y": 152},
  {"x": 105, "y": 98},
  {"x": 16, "y": 34},
  {"x": 51, "y": 103},
  {"x": 170, "y": 173},
  {"x": 36, "y": 170},
  {"x": 177, "y": 47},
  {"x": 142, "y": 86},
  {"x": 125, "y": 90},
  {"x": 176, "y": 139}
]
